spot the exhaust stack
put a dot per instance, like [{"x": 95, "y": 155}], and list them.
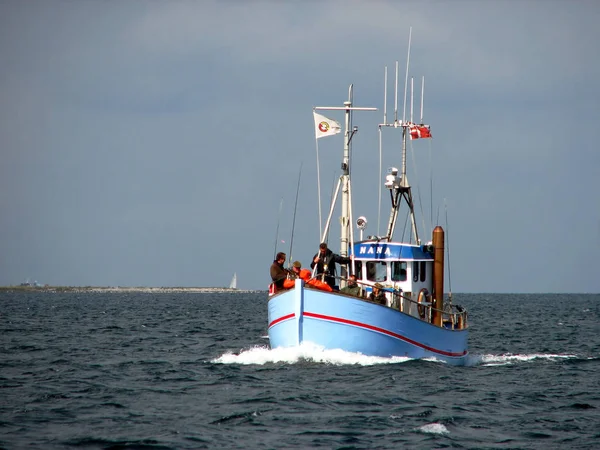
[{"x": 438, "y": 276}]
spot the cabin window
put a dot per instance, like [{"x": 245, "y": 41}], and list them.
[
  {"x": 399, "y": 271},
  {"x": 415, "y": 269},
  {"x": 376, "y": 271},
  {"x": 423, "y": 270},
  {"x": 358, "y": 270}
]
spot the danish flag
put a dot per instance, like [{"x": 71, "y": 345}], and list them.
[{"x": 420, "y": 131}]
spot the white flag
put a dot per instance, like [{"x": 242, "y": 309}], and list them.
[{"x": 325, "y": 127}]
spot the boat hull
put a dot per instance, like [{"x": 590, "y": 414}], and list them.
[{"x": 337, "y": 321}]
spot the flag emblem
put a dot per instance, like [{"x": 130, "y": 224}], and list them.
[{"x": 323, "y": 127}]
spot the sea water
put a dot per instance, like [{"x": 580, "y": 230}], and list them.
[{"x": 184, "y": 370}]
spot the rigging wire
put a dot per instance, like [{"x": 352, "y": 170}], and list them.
[
  {"x": 405, "y": 224},
  {"x": 430, "y": 189},
  {"x": 412, "y": 154}
]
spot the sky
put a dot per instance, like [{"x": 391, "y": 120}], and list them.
[{"x": 152, "y": 143}]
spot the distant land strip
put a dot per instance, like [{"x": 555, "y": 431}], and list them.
[{"x": 116, "y": 289}]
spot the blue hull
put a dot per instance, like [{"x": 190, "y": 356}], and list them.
[{"x": 337, "y": 321}]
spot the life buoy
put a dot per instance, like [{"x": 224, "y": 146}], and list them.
[
  {"x": 423, "y": 296},
  {"x": 319, "y": 284},
  {"x": 272, "y": 289}
]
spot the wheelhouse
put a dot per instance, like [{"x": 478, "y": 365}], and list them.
[{"x": 405, "y": 267}]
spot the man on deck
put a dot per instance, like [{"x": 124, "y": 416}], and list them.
[
  {"x": 353, "y": 288},
  {"x": 325, "y": 261},
  {"x": 278, "y": 273}
]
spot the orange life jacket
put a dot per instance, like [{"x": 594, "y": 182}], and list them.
[
  {"x": 288, "y": 284},
  {"x": 305, "y": 274},
  {"x": 314, "y": 282}
]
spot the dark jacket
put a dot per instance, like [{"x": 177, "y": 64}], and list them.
[
  {"x": 278, "y": 274},
  {"x": 380, "y": 298},
  {"x": 328, "y": 262},
  {"x": 355, "y": 290}
]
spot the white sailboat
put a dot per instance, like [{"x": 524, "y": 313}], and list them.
[{"x": 233, "y": 283}]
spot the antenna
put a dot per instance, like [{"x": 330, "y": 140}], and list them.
[
  {"x": 385, "y": 96},
  {"x": 422, "y": 94},
  {"x": 396, "y": 95},
  {"x": 411, "y": 98},
  {"x": 406, "y": 78}
]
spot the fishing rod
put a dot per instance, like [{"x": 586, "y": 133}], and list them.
[
  {"x": 277, "y": 231},
  {"x": 294, "y": 220}
]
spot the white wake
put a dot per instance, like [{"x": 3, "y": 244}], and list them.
[
  {"x": 508, "y": 359},
  {"x": 305, "y": 352}
]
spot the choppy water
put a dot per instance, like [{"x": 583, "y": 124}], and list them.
[{"x": 190, "y": 371}]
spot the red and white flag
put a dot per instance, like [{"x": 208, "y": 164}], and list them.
[
  {"x": 325, "y": 127},
  {"x": 420, "y": 131}
]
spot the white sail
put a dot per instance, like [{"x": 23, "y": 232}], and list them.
[{"x": 233, "y": 284}]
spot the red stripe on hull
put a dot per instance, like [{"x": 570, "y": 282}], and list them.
[
  {"x": 281, "y": 319},
  {"x": 369, "y": 327}
]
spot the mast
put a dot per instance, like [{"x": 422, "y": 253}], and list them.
[
  {"x": 405, "y": 186},
  {"x": 400, "y": 189},
  {"x": 344, "y": 181},
  {"x": 345, "y": 218},
  {"x": 399, "y": 186}
]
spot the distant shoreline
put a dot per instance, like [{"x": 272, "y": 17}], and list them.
[{"x": 116, "y": 289}]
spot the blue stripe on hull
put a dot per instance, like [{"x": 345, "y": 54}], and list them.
[{"x": 337, "y": 321}]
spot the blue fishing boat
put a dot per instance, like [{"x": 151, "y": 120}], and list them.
[{"x": 415, "y": 319}]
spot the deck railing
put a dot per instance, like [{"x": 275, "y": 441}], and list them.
[{"x": 453, "y": 316}]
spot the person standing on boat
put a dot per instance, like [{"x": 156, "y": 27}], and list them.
[
  {"x": 296, "y": 267},
  {"x": 353, "y": 288},
  {"x": 325, "y": 261},
  {"x": 377, "y": 296},
  {"x": 278, "y": 273}
]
